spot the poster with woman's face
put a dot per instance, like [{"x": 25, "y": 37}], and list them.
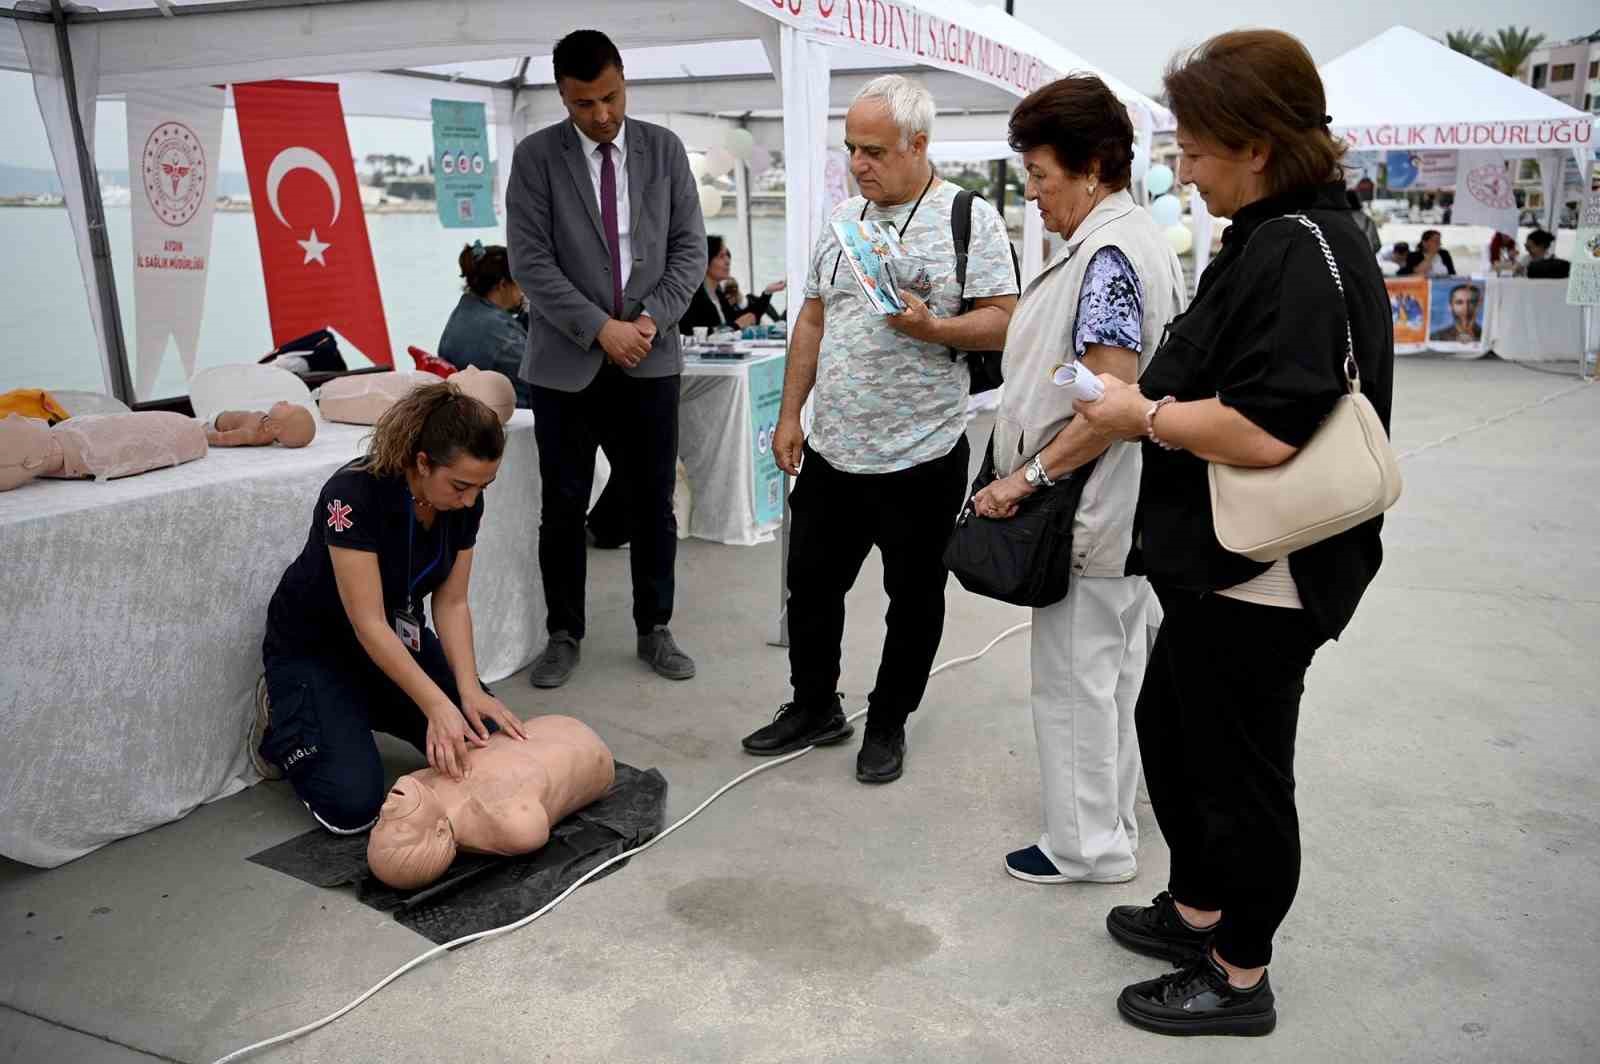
[{"x": 1455, "y": 317}]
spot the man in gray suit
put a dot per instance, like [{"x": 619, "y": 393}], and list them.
[{"x": 605, "y": 234}]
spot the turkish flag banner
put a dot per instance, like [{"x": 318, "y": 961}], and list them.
[{"x": 313, "y": 235}]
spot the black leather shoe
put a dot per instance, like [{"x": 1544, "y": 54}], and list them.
[
  {"x": 1157, "y": 930},
  {"x": 883, "y": 755},
  {"x": 661, "y": 652},
  {"x": 796, "y": 727},
  {"x": 1198, "y": 999},
  {"x": 555, "y": 664}
]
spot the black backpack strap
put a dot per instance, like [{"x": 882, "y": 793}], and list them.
[{"x": 961, "y": 233}]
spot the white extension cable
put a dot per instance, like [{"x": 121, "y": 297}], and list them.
[{"x": 424, "y": 958}]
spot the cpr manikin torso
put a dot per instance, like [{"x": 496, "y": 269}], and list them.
[
  {"x": 490, "y": 387},
  {"x": 103, "y": 446},
  {"x": 514, "y": 793},
  {"x": 363, "y": 398}
]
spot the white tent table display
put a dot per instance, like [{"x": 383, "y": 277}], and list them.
[
  {"x": 1530, "y": 320},
  {"x": 719, "y": 447},
  {"x": 134, "y": 615}
]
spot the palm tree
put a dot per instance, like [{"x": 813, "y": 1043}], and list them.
[
  {"x": 1510, "y": 49},
  {"x": 1467, "y": 42}
]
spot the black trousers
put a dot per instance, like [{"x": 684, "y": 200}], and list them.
[
  {"x": 636, "y": 420},
  {"x": 1216, "y": 720},
  {"x": 836, "y": 518},
  {"x": 324, "y": 711}
]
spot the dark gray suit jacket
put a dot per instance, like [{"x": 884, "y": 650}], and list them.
[{"x": 559, "y": 257}]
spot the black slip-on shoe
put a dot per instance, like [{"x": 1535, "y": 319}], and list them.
[
  {"x": 1198, "y": 999},
  {"x": 555, "y": 664},
  {"x": 1156, "y": 930},
  {"x": 796, "y": 727},
  {"x": 661, "y": 652},
  {"x": 883, "y": 755}
]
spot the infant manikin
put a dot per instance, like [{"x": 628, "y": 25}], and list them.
[
  {"x": 287, "y": 424},
  {"x": 102, "y": 446},
  {"x": 513, "y": 793}
]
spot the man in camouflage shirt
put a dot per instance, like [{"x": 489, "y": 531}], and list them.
[{"x": 886, "y": 462}]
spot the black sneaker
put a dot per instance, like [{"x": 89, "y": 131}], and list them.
[
  {"x": 796, "y": 727},
  {"x": 555, "y": 664},
  {"x": 1157, "y": 930},
  {"x": 883, "y": 755},
  {"x": 1198, "y": 999}
]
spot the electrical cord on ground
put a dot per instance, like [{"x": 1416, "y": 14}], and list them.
[{"x": 465, "y": 940}]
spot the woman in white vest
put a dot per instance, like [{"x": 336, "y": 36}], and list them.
[{"x": 1103, "y": 301}]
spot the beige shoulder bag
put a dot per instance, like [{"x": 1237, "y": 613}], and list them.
[{"x": 1345, "y": 474}]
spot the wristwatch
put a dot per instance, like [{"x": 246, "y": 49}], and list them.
[{"x": 1035, "y": 475}]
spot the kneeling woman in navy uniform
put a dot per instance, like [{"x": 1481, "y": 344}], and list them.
[{"x": 346, "y": 651}]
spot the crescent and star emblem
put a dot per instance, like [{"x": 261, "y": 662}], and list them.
[{"x": 284, "y": 163}]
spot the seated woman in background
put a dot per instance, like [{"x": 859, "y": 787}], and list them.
[
  {"x": 706, "y": 307},
  {"x": 758, "y": 307},
  {"x": 486, "y": 329}
]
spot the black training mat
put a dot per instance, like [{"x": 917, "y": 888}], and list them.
[{"x": 478, "y": 892}]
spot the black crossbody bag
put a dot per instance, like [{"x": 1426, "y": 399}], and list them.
[{"x": 1025, "y": 559}]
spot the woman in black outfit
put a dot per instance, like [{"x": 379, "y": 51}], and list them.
[{"x": 1244, "y": 378}]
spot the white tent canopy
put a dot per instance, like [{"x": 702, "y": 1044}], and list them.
[
  {"x": 1402, "y": 91},
  {"x": 712, "y": 57}
]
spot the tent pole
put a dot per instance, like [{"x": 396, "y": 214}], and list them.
[{"x": 95, "y": 214}]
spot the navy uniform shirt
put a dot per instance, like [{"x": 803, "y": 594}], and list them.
[
  {"x": 361, "y": 511},
  {"x": 1266, "y": 336}
]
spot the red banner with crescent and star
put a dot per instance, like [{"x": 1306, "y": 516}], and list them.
[{"x": 313, "y": 234}]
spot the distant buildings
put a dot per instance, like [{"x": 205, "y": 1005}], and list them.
[{"x": 1568, "y": 71}]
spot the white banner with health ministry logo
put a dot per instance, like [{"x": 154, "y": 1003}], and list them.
[
  {"x": 1484, "y": 191},
  {"x": 174, "y": 138}
]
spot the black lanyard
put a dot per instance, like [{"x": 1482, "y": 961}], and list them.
[
  {"x": 932, "y": 173},
  {"x": 413, "y": 603}
]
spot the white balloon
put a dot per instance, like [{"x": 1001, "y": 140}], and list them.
[
  {"x": 719, "y": 161},
  {"x": 697, "y": 165},
  {"x": 1159, "y": 179},
  {"x": 710, "y": 201},
  {"x": 740, "y": 143},
  {"x": 1180, "y": 238},
  {"x": 1166, "y": 210},
  {"x": 1141, "y": 163}
]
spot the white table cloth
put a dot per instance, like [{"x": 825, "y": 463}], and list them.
[
  {"x": 133, "y": 613},
  {"x": 1530, "y": 320},
  {"x": 715, "y": 444}
]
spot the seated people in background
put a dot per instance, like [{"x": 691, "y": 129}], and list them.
[
  {"x": 1502, "y": 253},
  {"x": 1463, "y": 327},
  {"x": 1430, "y": 259},
  {"x": 486, "y": 329},
  {"x": 288, "y": 424},
  {"x": 1392, "y": 260},
  {"x": 1542, "y": 263},
  {"x": 706, "y": 309},
  {"x": 756, "y": 308}
]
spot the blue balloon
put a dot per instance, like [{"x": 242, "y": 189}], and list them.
[
  {"x": 1159, "y": 179},
  {"x": 1167, "y": 211}
]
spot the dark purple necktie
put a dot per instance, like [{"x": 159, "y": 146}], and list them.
[{"x": 608, "y": 213}]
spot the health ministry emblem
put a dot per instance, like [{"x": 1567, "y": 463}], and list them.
[{"x": 174, "y": 173}]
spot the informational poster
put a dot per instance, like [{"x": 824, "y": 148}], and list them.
[
  {"x": 1408, "y": 311},
  {"x": 1417, "y": 171},
  {"x": 174, "y": 139},
  {"x": 463, "y": 181},
  {"x": 1455, "y": 313},
  {"x": 1484, "y": 191},
  {"x": 1583, "y": 283},
  {"x": 766, "y": 396}
]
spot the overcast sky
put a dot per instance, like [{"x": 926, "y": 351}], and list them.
[{"x": 1132, "y": 43}]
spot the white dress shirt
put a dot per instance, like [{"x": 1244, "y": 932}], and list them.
[{"x": 619, "y": 162}]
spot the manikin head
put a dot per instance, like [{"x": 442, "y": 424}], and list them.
[
  {"x": 886, "y": 133},
  {"x": 445, "y": 443},
  {"x": 588, "y": 71},
  {"x": 412, "y": 843},
  {"x": 490, "y": 387},
  {"x": 292, "y": 424},
  {"x": 27, "y": 449}
]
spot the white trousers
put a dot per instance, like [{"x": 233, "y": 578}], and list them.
[{"x": 1089, "y": 652}]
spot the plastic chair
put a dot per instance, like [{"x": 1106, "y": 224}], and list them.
[
  {"x": 77, "y": 402},
  {"x": 246, "y": 387}
]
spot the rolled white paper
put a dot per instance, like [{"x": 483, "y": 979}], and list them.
[{"x": 1086, "y": 387}]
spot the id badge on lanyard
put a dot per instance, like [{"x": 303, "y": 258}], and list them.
[{"x": 408, "y": 622}]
